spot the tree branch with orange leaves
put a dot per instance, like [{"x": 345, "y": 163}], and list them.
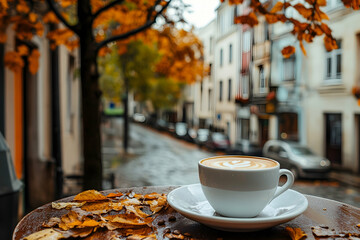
[
  {"x": 141, "y": 28},
  {"x": 55, "y": 10}
]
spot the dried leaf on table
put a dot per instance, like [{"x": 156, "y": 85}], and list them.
[
  {"x": 153, "y": 195},
  {"x": 132, "y": 201},
  {"x": 70, "y": 220},
  {"x": 174, "y": 236},
  {"x": 66, "y": 205},
  {"x": 90, "y": 196},
  {"x": 78, "y": 232},
  {"x": 45, "y": 234},
  {"x": 296, "y": 233},
  {"x": 52, "y": 222},
  {"x": 323, "y": 231},
  {"x": 129, "y": 219},
  {"x": 157, "y": 205},
  {"x": 113, "y": 195},
  {"x": 137, "y": 211},
  {"x": 97, "y": 207}
]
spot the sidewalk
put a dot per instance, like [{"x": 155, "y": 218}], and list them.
[{"x": 349, "y": 178}]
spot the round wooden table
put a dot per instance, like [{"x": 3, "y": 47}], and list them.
[{"x": 341, "y": 217}]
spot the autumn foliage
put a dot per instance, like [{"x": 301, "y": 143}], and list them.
[{"x": 308, "y": 22}]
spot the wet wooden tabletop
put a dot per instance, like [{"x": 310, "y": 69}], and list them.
[{"x": 321, "y": 212}]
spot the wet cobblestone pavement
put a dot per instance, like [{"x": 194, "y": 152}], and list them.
[{"x": 156, "y": 159}]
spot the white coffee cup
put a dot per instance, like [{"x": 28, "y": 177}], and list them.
[{"x": 241, "y": 186}]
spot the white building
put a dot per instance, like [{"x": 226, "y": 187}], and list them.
[
  {"x": 227, "y": 68},
  {"x": 332, "y": 112},
  {"x": 204, "y": 89}
]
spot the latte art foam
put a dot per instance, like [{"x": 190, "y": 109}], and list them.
[{"x": 239, "y": 163}]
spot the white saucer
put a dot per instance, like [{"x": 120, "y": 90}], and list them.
[{"x": 190, "y": 201}]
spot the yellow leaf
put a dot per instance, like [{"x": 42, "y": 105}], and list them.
[
  {"x": 22, "y": 7},
  {"x": 50, "y": 17},
  {"x": 271, "y": 18},
  {"x": 23, "y": 50},
  {"x": 32, "y": 17},
  {"x": 288, "y": 51},
  {"x": 330, "y": 43},
  {"x": 13, "y": 61},
  {"x": 67, "y": 3},
  {"x": 305, "y": 12},
  {"x": 90, "y": 196},
  {"x": 250, "y": 19},
  {"x": 278, "y": 7},
  {"x": 302, "y": 47},
  {"x": 34, "y": 61},
  {"x": 4, "y": 4},
  {"x": 45, "y": 234},
  {"x": 295, "y": 233}
]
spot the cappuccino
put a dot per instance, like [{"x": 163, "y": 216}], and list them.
[{"x": 239, "y": 163}]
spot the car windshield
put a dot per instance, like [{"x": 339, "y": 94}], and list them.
[
  {"x": 219, "y": 137},
  {"x": 301, "y": 151}
]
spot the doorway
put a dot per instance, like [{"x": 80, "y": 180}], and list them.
[
  {"x": 263, "y": 130},
  {"x": 333, "y": 137}
]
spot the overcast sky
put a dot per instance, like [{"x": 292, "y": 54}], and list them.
[{"x": 203, "y": 12}]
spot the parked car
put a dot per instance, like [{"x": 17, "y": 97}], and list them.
[
  {"x": 299, "y": 159},
  {"x": 249, "y": 149},
  {"x": 161, "y": 125},
  {"x": 181, "y": 130},
  {"x": 138, "y": 117},
  {"x": 202, "y": 136},
  {"x": 217, "y": 141},
  {"x": 171, "y": 128},
  {"x": 191, "y": 135}
]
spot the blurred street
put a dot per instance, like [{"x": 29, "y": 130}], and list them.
[{"x": 157, "y": 158}]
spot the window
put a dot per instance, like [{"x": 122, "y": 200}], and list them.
[
  {"x": 230, "y": 53},
  {"x": 211, "y": 45},
  {"x": 266, "y": 31},
  {"x": 209, "y": 99},
  {"x": 220, "y": 90},
  {"x": 69, "y": 93},
  {"x": 246, "y": 41},
  {"x": 210, "y": 67},
  {"x": 221, "y": 57},
  {"x": 289, "y": 68},
  {"x": 245, "y": 128},
  {"x": 333, "y": 65},
  {"x": 262, "y": 82},
  {"x": 245, "y": 86},
  {"x": 229, "y": 92}
]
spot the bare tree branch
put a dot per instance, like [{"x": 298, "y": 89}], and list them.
[
  {"x": 103, "y": 9},
  {"x": 146, "y": 25},
  {"x": 53, "y": 8}
]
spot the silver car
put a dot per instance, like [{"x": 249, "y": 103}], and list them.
[{"x": 299, "y": 159}]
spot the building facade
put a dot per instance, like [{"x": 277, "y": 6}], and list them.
[
  {"x": 204, "y": 89},
  {"x": 40, "y": 119},
  {"x": 227, "y": 67},
  {"x": 332, "y": 110}
]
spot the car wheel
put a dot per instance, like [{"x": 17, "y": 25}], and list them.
[{"x": 295, "y": 172}]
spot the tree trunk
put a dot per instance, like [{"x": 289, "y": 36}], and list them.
[{"x": 90, "y": 100}]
